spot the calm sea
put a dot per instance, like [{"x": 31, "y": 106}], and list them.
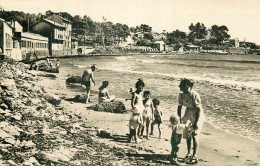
[{"x": 229, "y": 85}]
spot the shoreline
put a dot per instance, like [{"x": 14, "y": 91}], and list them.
[
  {"x": 122, "y": 54},
  {"x": 216, "y": 146},
  {"x": 213, "y": 140}
]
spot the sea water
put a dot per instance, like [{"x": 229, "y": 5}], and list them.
[{"x": 229, "y": 85}]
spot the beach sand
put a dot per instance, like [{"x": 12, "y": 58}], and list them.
[{"x": 216, "y": 146}]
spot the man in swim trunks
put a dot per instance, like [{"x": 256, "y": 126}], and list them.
[{"x": 88, "y": 76}]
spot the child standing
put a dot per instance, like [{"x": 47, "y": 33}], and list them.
[
  {"x": 177, "y": 130},
  {"x": 137, "y": 110},
  {"x": 148, "y": 113},
  {"x": 58, "y": 64},
  {"x": 157, "y": 117}
]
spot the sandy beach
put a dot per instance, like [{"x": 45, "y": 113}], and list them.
[
  {"x": 39, "y": 131},
  {"x": 216, "y": 146}
]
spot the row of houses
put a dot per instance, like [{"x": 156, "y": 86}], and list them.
[{"x": 48, "y": 37}]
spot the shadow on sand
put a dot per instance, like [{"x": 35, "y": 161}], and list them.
[
  {"x": 77, "y": 99},
  {"x": 155, "y": 158}
]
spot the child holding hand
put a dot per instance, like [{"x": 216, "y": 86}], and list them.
[{"x": 177, "y": 130}]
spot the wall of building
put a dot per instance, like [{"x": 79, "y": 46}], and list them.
[
  {"x": 6, "y": 41},
  {"x": 33, "y": 45}
]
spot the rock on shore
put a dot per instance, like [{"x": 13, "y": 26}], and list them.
[
  {"x": 113, "y": 107},
  {"x": 34, "y": 130},
  {"x": 74, "y": 79}
]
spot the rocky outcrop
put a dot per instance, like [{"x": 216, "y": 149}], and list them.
[
  {"x": 28, "y": 118},
  {"x": 113, "y": 107},
  {"x": 74, "y": 79},
  {"x": 35, "y": 132},
  {"x": 45, "y": 67}
]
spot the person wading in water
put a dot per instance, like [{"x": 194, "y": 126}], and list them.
[{"x": 88, "y": 75}]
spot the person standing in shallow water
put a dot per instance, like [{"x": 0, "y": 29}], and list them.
[
  {"x": 194, "y": 112},
  {"x": 87, "y": 76}
]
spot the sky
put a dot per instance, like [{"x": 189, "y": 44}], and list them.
[{"x": 240, "y": 16}]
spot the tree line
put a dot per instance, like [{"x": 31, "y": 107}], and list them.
[{"x": 91, "y": 32}]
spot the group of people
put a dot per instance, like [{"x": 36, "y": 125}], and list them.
[
  {"x": 50, "y": 64},
  {"x": 87, "y": 78},
  {"x": 146, "y": 113},
  {"x": 189, "y": 126}
]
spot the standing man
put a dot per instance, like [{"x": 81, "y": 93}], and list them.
[{"x": 86, "y": 77}]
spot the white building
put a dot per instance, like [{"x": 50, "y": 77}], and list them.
[
  {"x": 160, "y": 45},
  {"x": 6, "y": 38}
]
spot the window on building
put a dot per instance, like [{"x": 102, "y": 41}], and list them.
[
  {"x": 15, "y": 44},
  {"x": 23, "y": 43},
  {"x": 8, "y": 41}
]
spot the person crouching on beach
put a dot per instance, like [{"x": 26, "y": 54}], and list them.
[
  {"x": 194, "y": 112},
  {"x": 103, "y": 95},
  {"x": 136, "y": 119},
  {"x": 147, "y": 114},
  {"x": 157, "y": 117},
  {"x": 177, "y": 131},
  {"x": 88, "y": 76}
]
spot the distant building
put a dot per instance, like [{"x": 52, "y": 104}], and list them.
[
  {"x": 33, "y": 45},
  {"x": 128, "y": 41},
  {"x": 6, "y": 38},
  {"x": 139, "y": 35},
  {"x": 160, "y": 45},
  {"x": 54, "y": 31},
  {"x": 192, "y": 48},
  {"x": 234, "y": 42},
  {"x": 58, "y": 30},
  {"x": 26, "y": 44},
  {"x": 16, "y": 26},
  {"x": 67, "y": 24}
]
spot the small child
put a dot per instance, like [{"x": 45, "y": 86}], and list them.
[
  {"x": 58, "y": 64},
  {"x": 157, "y": 116},
  {"x": 177, "y": 130},
  {"x": 147, "y": 114}
]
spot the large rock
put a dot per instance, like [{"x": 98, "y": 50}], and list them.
[
  {"x": 42, "y": 66},
  {"x": 53, "y": 70},
  {"x": 114, "y": 107},
  {"x": 74, "y": 79},
  {"x": 53, "y": 99}
]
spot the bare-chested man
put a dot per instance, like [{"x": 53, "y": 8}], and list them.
[{"x": 88, "y": 76}]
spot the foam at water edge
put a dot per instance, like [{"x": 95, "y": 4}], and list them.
[
  {"x": 80, "y": 66},
  {"x": 229, "y": 132},
  {"x": 231, "y": 84}
]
